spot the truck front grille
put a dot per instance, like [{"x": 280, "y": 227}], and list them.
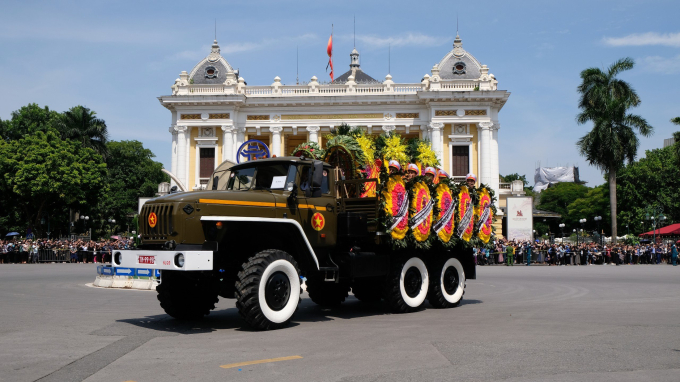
[{"x": 163, "y": 228}]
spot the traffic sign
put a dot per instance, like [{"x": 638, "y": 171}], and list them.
[
  {"x": 125, "y": 271},
  {"x": 144, "y": 272},
  {"x": 157, "y": 273},
  {"x": 106, "y": 271}
]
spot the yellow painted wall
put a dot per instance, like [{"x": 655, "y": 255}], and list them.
[
  {"x": 445, "y": 146},
  {"x": 474, "y": 153},
  {"x": 192, "y": 158},
  {"x": 192, "y": 154}
]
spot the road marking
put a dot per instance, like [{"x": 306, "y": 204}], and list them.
[{"x": 229, "y": 366}]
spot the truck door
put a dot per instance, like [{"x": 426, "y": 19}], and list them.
[{"x": 317, "y": 214}]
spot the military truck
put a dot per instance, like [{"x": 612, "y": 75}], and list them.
[{"x": 262, "y": 226}]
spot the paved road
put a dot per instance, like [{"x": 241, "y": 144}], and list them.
[{"x": 595, "y": 323}]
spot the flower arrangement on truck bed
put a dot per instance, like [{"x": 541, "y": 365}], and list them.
[{"x": 420, "y": 205}]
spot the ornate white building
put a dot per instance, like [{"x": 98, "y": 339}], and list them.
[{"x": 456, "y": 107}]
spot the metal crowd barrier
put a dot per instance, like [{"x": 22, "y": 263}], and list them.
[{"x": 65, "y": 256}]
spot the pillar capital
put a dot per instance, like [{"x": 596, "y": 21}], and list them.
[
  {"x": 313, "y": 129},
  {"x": 389, "y": 128},
  {"x": 485, "y": 125},
  {"x": 436, "y": 125},
  {"x": 181, "y": 128},
  {"x": 276, "y": 129},
  {"x": 227, "y": 128}
]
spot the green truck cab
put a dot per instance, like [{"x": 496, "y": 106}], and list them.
[{"x": 262, "y": 226}]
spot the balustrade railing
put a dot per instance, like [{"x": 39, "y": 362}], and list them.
[{"x": 323, "y": 89}]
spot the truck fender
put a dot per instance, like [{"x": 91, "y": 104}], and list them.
[{"x": 294, "y": 224}]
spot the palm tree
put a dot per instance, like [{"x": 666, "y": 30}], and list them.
[
  {"x": 676, "y": 137},
  {"x": 605, "y": 101},
  {"x": 81, "y": 124}
]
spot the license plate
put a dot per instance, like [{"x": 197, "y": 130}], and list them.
[{"x": 147, "y": 260}]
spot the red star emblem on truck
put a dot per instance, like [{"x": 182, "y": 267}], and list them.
[
  {"x": 318, "y": 222},
  {"x": 152, "y": 219}
]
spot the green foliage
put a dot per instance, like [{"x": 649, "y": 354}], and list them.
[
  {"x": 652, "y": 180},
  {"x": 30, "y": 119},
  {"x": 558, "y": 198},
  {"x": 81, "y": 124},
  {"x": 594, "y": 203},
  {"x": 605, "y": 100},
  {"x": 42, "y": 172},
  {"x": 132, "y": 173},
  {"x": 512, "y": 177}
]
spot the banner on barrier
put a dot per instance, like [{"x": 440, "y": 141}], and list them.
[
  {"x": 145, "y": 272},
  {"x": 125, "y": 271}
]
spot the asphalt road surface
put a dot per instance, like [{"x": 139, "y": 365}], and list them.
[{"x": 594, "y": 323}]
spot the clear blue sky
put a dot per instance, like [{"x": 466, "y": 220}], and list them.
[{"x": 116, "y": 57}]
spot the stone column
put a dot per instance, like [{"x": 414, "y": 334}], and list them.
[
  {"x": 276, "y": 140},
  {"x": 485, "y": 173},
  {"x": 436, "y": 138},
  {"x": 493, "y": 157},
  {"x": 313, "y": 133},
  {"x": 182, "y": 162},
  {"x": 240, "y": 138},
  {"x": 173, "y": 165},
  {"x": 227, "y": 142}
]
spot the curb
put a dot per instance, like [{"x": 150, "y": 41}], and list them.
[{"x": 124, "y": 282}]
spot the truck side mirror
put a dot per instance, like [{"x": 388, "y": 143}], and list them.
[{"x": 317, "y": 178}]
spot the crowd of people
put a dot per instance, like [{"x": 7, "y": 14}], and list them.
[
  {"x": 512, "y": 252},
  {"x": 74, "y": 251}
]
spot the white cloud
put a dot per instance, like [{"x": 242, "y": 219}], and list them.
[
  {"x": 645, "y": 39},
  {"x": 662, "y": 64},
  {"x": 409, "y": 39}
]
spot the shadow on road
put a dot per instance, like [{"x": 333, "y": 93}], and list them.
[{"x": 229, "y": 318}]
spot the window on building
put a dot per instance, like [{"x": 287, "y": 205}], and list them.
[
  {"x": 460, "y": 160},
  {"x": 207, "y": 163}
]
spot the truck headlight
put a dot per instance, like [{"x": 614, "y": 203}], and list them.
[{"x": 179, "y": 260}]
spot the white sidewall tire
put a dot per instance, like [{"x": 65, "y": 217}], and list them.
[
  {"x": 286, "y": 313},
  {"x": 458, "y": 295},
  {"x": 418, "y": 300}
]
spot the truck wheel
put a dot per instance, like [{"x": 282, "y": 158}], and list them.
[
  {"x": 185, "y": 297},
  {"x": 268, "y": 290},
  {"x": 406, "y": 286},
  {"x": 448, "y": 284},
  {"x": 367, "y": 290},
  {"x": 327, "y": 293}
]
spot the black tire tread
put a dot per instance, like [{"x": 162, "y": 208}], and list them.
[
  {"x": 435, "y": 295},
  {"x": 392, "y": 292},
  {"x": 247, "y": 287}
]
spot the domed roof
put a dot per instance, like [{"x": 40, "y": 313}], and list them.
[
  {"x": 211, "y": 70},
  {"x": 458, "y": 64}
]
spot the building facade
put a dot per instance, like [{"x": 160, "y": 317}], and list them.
[{"x": 456, "y": 107}]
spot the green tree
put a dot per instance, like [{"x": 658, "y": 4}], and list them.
[
  {"x": 28, "y": 120},
  {"x": 558, "y": 198},
  {"x": 132, "y": 173},
  {"x": 81, "y": 124},
  {"x": 41, "y": 172},
  {"x": 594, "y": 203},
  {"x": 652, "y": 180},
  {"x": 604, "y": 101},
  {"x": 676, "y": 138},
  {"x": 515, "y": 176}
]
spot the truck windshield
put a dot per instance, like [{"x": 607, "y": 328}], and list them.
[{"x": 266, "y": 176}]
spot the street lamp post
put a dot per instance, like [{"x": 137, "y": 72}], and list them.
[
  {"x": 598, "y": 219},
  {"x": 583, "y": 222},
  {"x": 562, "y": 229},
  {"x": 576, "y": 232}
]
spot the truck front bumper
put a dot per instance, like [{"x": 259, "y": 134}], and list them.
[{"x": 166, "y": 260}]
